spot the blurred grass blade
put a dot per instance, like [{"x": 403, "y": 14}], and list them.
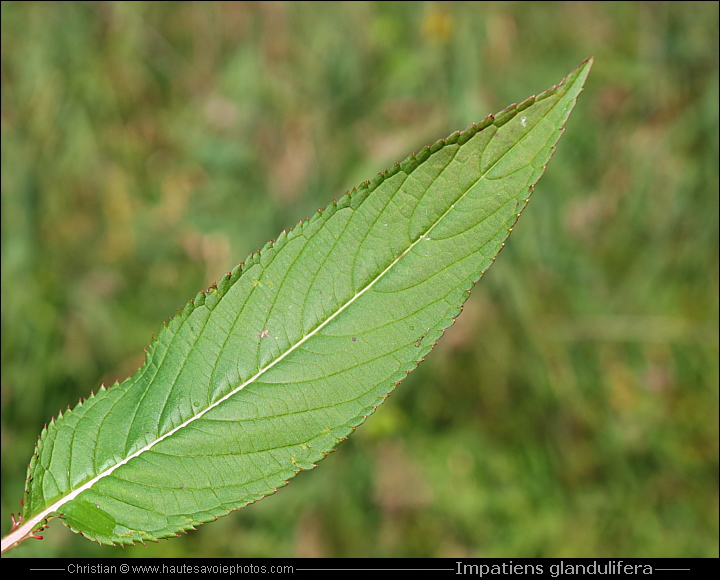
[{"x": 263, "y": 374}]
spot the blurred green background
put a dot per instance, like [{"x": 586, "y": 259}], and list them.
[{"x": 149, "y": 147}]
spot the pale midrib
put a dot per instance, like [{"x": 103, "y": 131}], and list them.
[{"x": 35, "y": 521}]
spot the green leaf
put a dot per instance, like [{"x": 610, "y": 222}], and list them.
[{"x": 262, "y": 375}]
